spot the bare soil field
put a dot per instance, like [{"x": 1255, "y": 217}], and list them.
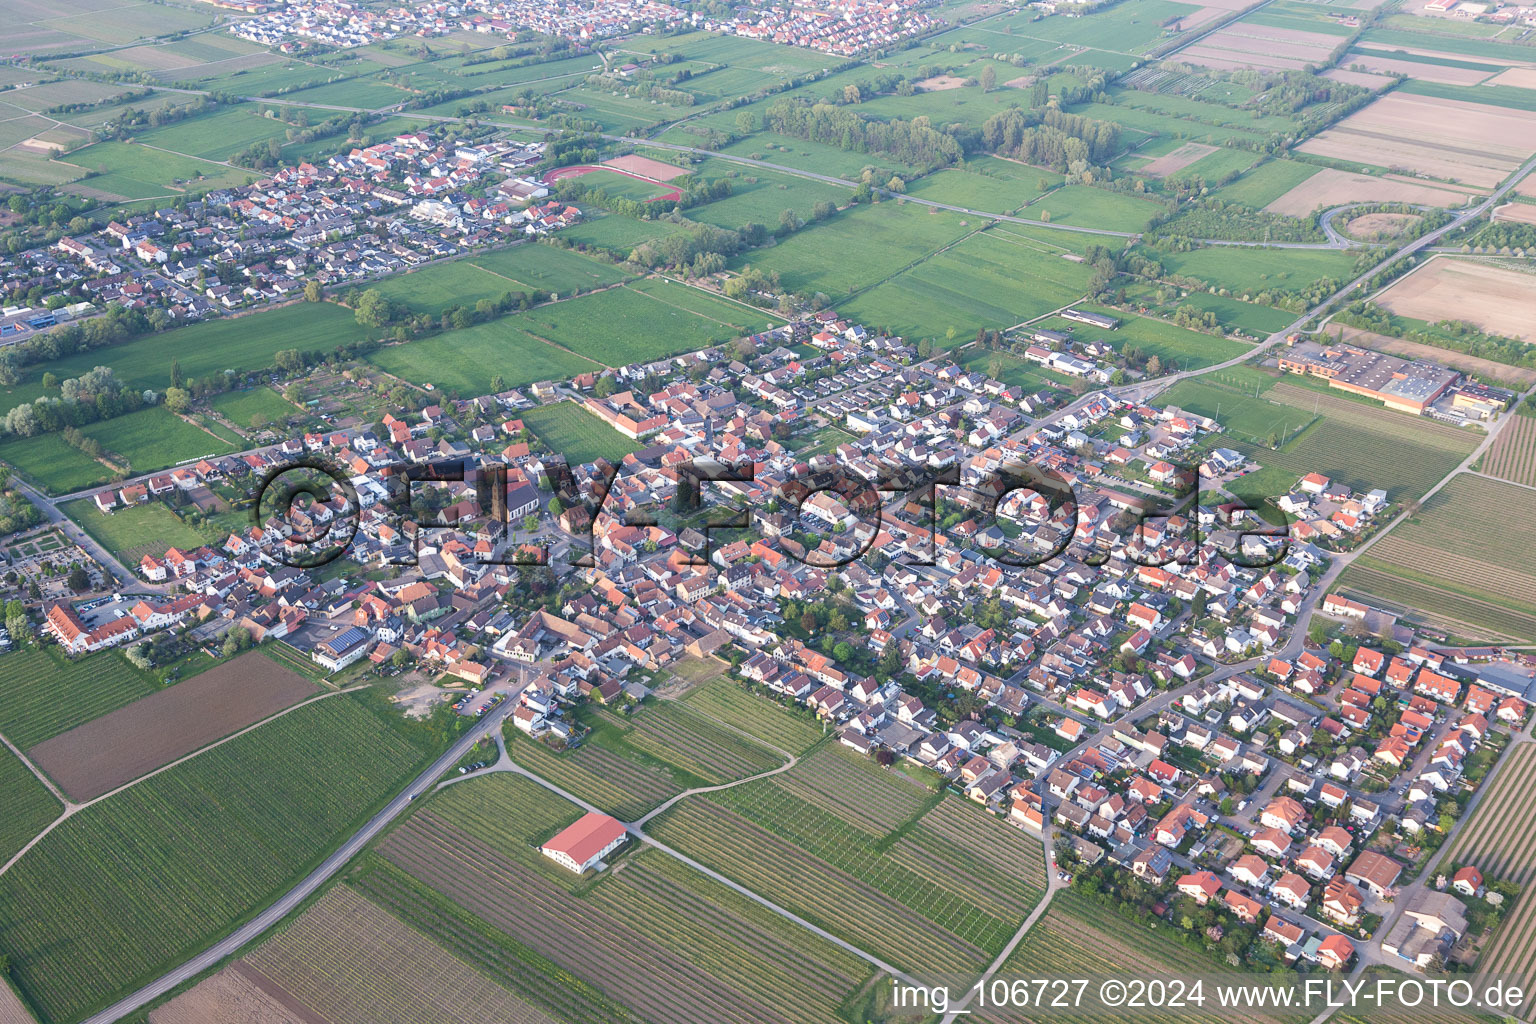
[
  {"x": 941, "y": 83},
  {"x": 118, "y": 747},
  {"x": 1233, "y": 60},
  {"x": 1375, "y": 83},
  {"x": 1418, "y": 69},
  {"x": 1373, "y": 226},
  {"x": 1261, "y": 46},
  {"x": 356, "y": 963},
  {"x": 11, "y": 1009},
  {"x": 229, "y": 997},
  {"x": 1520, "y": 213},
  {"x": 1521, "y": 78},
  {"x": 1177, "y": 160},
  {"x": 1497, "y": 299},
  {"x": 1330, "y": 187},
  {"x": 645, "y": 167},
  {"x": 1439, "y": 138},
  {"x": 1487, "y": 368}
]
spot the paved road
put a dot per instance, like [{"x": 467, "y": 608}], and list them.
[{"x": 253, "y": 929}]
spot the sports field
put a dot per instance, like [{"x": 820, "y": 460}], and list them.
[{"x": 581, "y": 437}]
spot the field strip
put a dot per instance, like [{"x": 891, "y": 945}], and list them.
[
  {"x": 1499, "y": 479},
  {"x": 683, "y": 309},
  {"x": 45, "y": 780},
  {"x": 189, "y": 156}
]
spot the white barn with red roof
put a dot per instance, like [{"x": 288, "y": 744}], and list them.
[{"x": 584, "y": 844}]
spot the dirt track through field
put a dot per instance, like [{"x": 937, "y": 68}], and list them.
[{"x": 118, "y": 747}]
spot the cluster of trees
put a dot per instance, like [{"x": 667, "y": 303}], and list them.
[
  {"x": 644, "y": 89},
  {"x": 1501, "y": 235},
  {"x": 16, "y": 622},
  {"x": 1052, "y": 138},
  {"x": 683, "y": 248},
  {"x": 1213, "y": 218},
  {"x": 135, "y": 119},
  {"x": 912, "y": 142},
  {"x": 95, "y": 395}
]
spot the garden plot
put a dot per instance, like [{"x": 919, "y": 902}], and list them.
[
  {"x": 1458, "y": 141},
  {"x": 1497, "y": 299}
]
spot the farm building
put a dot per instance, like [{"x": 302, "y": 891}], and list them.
[
  {"x": 584, "y": 844},
  {"x": 1083, "y": 316}
]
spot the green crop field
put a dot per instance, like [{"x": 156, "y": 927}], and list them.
[
  {"x": 692, "y": 748},
  {"x": 1266, "y": 182},
  {"x": 643, "y": 321},
  {"x": 230, "y": 343},
  {"x": 760, "y": 196},
  {"x": 132, "y": 533},
  {"x": 1245, "y": 271},
  {"x": 882, "y": 846},
  {"x": 43, "y": 693},
  {"x": 1469, "y": 539},
  {"x": 994, "y": 279},
  {"x": 988, "y": 183},
  {"x": 727, "y": 702},
  {"x": 464, "y": 361},
  {"x": 258, "y": 404},
  {"x": 29, "y": 807},
  {"x": 577, "y": 434},
  {"x": 860, "y": 248},
  {"x": 131, "y": 171},
  {"x": 1084, "y": 206},
  {"x": 154, "y": 438},
  {"x": 368, "y": 93},
  {"x": 521, "y": 269},
  {"x": 113, "y": 897},
  {"x": 616, "y": 233},
  {"x": 604, "y": 779},
  {"x": 51, "y": 464},
  {"x": 803, "y": 155},
  {"x": 215, "y": 136}
]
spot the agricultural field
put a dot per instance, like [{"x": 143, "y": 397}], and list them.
[
  {"x": 245, "y": 342},
  {"x": 577, "y": 434},
  {"x": 29, "y": 807},
  {"x": 1084, "y": 206},
  {"x": 47, "y": 461},
  {"x": 616, "y": 233},
  {"x": 525, "y": 269},
  {"x": 112, "y": 897},
  {"x": 995, "y": 279},
  {"x": 352, "y": 962},
  {"x": 1081, "y": 938},
  {"x": 131, "y": 533},
  {"x": 1513, "y": 456},
  {"x": 154, "y": 438},
  {"x": 125, "y": 170},
  {"x": 1497, "y": 839},
  {"x": 217, "y": 135},
  {"x": 604, "y": 779},
  {"x": 120, "y": 746},
  {"x": 727, "y": 702},
  {"x": 859, "y": 249},
  {"x": 43, "y": 693},
  {"x": 1469, "y": 539},
  {"x": 1245, "y": 272},
  {"x": 619, "y": 185},
  {"x": 257, "y": 406},
  {"x": 1471, "y": 143},
  {"x": 712, "y": 955},
  {"x": 761, "y": 196},
  {"x": 1499, "y": 299},
  {"x": 882, "y": 846},
  {"x": 696, "y": 747},
  {"x": 986, "y": 183},
  {"x": 465, "y": 361}
]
